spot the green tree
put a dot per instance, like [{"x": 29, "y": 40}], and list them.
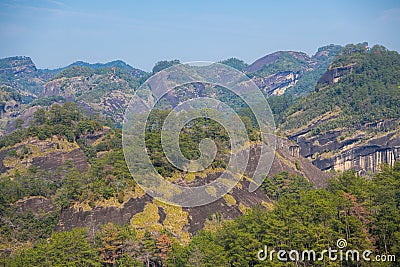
[{"x": 62, "y": 249}]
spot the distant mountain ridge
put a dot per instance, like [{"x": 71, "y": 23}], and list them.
[
  {"x": 288, "y": 76},
  {"x": 106, "y": 88}
]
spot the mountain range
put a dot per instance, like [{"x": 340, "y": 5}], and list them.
[{"x": 61, "y": 159}]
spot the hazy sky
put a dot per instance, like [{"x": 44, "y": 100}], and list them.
[{"x": 56, "y": 33}]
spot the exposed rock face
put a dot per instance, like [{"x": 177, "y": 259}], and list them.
[
  {"x": 286, "y": 159},
  {"x": 333, "y": 75},
  {"x": 364, "y": 159},
  {"x": 36, "y": 205},
  {"x": 104, "y": 89},
  {"x": 289, "y": 157},
  {"x": 46, "y": 154},
  {"x": 67, "y": 88},
  {"x": 19, "y": 80},
  {"x": 95, "y": 218},
  {"x": 282, "y": 70},
  {"x": 53, "y": 160},
  {"x": 363, "y": 151},
  {"x": 294, "y": 151},
  {"x": 276, "y": 84}
]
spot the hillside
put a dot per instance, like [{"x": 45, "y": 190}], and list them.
[
  {"x": 102, "y": 89},
  {"x": 352, "y": 119},
  {"x": 67, "y": 170},
  {"x": 105, "y": 88},
  {"x": 292, "y": 72},
  {"x": 66, "y": 194}
]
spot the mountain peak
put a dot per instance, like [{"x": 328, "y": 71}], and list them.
[
  {"x": 115, "y": 63},
  {"x": 272, "y": 58},
  {"x": 16, "y": 65}
]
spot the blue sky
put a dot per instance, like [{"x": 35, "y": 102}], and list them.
[{"x": 56, "y": 33}]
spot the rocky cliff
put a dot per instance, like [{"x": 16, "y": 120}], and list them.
[
  {"x": 352, "y": 120},
  {"x": 276, "y": 84},
  {"x": 364, "y": 150}
]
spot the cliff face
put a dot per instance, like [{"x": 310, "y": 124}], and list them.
[
  {"x": 46, "y": 154},
  {"x": 366, "y": 159},
  {"x": 333, "y": 75},
  {"x": 364, "y": 150},
  {"x": 352, "y": 121},
  {"x": 276, "y": 84}
]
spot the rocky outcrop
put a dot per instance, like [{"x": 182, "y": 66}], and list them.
[
  {"x": 46, "y": 154},
  {"x": 37, "y": 205},
  {"x": 17, "y": 66},
  {"x": 93, "y": 219},
  {"x": 196, "y": 217},
  {"x": 363, "y": 159},
  {"x": 276, "y": 84},
  {"x": 362, "y": 151},
  {"x": 277, "y": 72},
  {"x": 289, "y": 158},
  {"x": 333, "y": 75},
  {"x": 67, "y": 87}
]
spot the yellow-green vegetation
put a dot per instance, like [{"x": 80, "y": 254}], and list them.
[
  {"x": 229, "y": 199},
  {"x": 136, "y": 193},
  {"x": 214, "y": 223},
  {"x": 233, "y": 241},
  {"x": 147, "y": 220},
  {"x": 175, "y": 220},
  {"x": 190, "y": 176},
  {"x": 243, "y": 208},
  {"x": 85, "y": 206},
  {"x": 268, "y": 205},
  {"x": 330, "y": 114},
  {"x": 239, "y": 184},
  {"x": 115, "y": 201}
]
